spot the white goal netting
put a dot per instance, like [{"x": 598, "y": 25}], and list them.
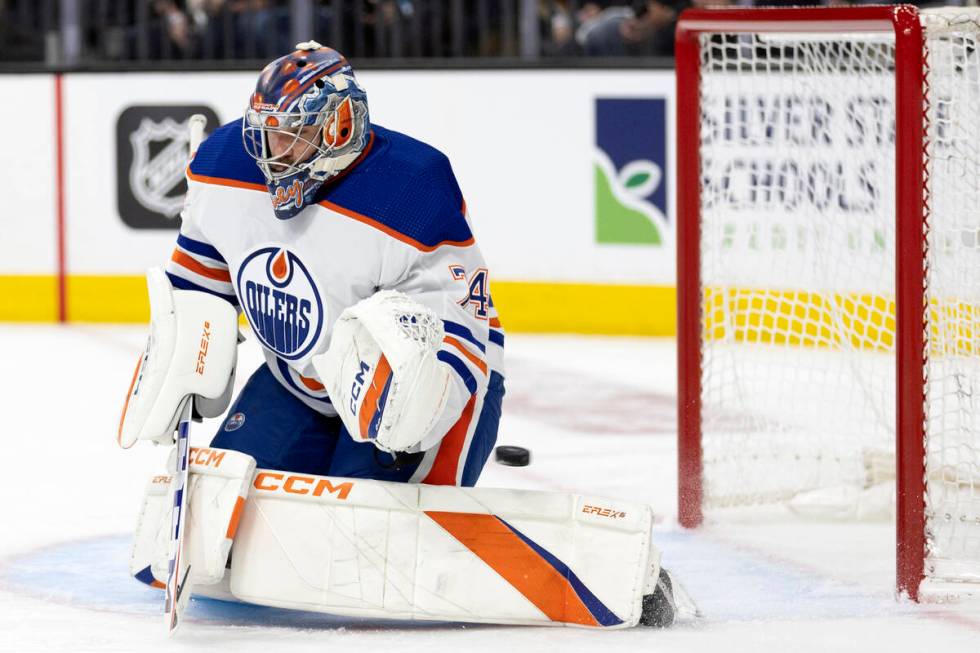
[{"x": 798, "y": 273}]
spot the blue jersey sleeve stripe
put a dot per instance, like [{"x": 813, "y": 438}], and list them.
[
  {"x": 199, "y": 248},
  {"x": 464, "y": 333},
  {"x": 181, "y": 283},
  {"x": 461, "y": 369},
  {"x": 496, "y": 337}
]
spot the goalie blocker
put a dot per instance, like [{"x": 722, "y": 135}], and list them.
[
  {"x": 377, "y": 549},
  {"x": 191, "y": 351}
]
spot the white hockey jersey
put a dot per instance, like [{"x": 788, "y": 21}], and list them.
[{"x": 395, "y": 219}]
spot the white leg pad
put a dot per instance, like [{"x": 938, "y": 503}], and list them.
[
  {"x": 218, "y": 484},
  {"x": 376, "y": 549}
]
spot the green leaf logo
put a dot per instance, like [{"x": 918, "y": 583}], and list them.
[
  {"x": 637, "y": 179},
  {"x": 623, "y": 216}
]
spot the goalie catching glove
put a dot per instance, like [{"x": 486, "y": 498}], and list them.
[
  {"x": 382, "y": 373},
  {"x": 191, "y": 350}
]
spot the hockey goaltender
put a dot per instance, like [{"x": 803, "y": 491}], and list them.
[{"x": 341, "y": 479}]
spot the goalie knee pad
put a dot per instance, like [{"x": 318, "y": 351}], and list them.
[
  {"x": 191, "y": 350},
  {"x": 218, "y": 483}
]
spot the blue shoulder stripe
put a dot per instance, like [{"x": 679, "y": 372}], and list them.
[
  {"x": 199, "y": 248},
  {"x": 464, "y": 333},
  {"x": 181, "y": 283},
  {"x": 497, "y": 338},
  {"x": 461, "y": 369}
]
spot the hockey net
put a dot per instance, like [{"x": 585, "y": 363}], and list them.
[{"x": 788, "y": 277}]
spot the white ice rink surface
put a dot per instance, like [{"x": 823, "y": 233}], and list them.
[{"x": 598, "y": 415}]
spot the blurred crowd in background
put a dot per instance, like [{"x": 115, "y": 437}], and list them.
[{"x": 93, "y": 31}]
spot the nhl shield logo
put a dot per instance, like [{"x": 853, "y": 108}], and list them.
[
  {"x": 157, "y": 182},
  {"x": 281, "y": 301},
  {"x": 152, "y": 155}
]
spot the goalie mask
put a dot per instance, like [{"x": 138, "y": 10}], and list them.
[{"x": 306, "y": 122}]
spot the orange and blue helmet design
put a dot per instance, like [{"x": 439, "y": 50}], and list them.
[{"x": 306, "y": 121}]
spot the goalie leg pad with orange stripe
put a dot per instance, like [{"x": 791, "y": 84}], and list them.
[{"x": 389, "y": 550}]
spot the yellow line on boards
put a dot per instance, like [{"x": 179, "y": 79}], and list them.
[
  {"x": 539, "y": 307},
  {"x": 107, "y": 299},
  {"x": 783, "y": 317},
  {"x": 29, "y": 298}
]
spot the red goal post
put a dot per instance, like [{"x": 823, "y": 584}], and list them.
[{"x": 911, "y": 217}]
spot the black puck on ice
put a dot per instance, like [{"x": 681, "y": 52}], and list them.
[{"x": 512, "y": 456}]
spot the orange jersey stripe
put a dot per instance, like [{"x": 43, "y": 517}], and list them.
[
  {"x": 391, "y": 232},
  {"x": 234, "y": 183},
  {"x": 193, "y": 265},
  {"x": 495, "y": 322},
  {"x": 466, "y": 352},
  {"x": 369, "y": 405},
  {"x": 311, "y": 384},
  {"x": 221, "y": 181},
  {"x": 518, "y": 564},
  {"x": 446, "y": 464}
]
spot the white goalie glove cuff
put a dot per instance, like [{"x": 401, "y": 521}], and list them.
[
  {"x": 191, "y": 350},
  {"x": 382, "y": 373}
]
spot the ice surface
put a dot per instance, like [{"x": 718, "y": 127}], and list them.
[{"x": 598, "y": 415}]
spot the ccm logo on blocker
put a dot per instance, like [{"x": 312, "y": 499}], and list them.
[{"x": 294, "y": 484}]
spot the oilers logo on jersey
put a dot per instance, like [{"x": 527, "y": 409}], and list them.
[{"x": 281, "y": 301}]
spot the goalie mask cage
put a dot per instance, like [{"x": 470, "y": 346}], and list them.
[{"x": 829, "y": 267}]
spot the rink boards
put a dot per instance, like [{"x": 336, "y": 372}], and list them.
[{"x": 568, "y": 177}]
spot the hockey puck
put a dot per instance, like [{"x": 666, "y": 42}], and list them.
[{"x": 512, "y": 456}]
